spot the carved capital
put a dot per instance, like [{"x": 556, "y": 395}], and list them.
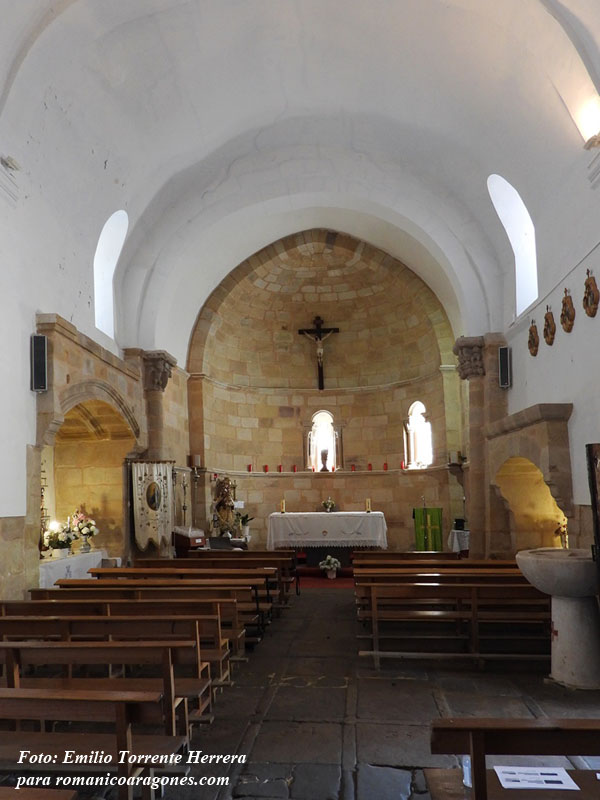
[
  {"x": 157, "y": 369},
  {"x": 469, "y": 350}
]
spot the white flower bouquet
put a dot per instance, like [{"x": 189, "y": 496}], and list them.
[{"x": 330, "y": 563}]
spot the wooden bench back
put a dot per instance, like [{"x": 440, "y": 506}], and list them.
[{"x": 515, "y": 737}]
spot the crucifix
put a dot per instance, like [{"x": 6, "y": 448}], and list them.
[{"x": 318, "y": 334}]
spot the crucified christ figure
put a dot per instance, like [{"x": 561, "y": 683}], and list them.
[
  {"x": 318, "y": 334},
  {"x": 319, "y": 342}
]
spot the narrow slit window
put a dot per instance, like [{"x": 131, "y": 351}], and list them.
[
  {"x": 418, "y": 441},
  {"x": 322, "y": 443},
  {"x": 108, "y": 250},
  {"x": 520, "y": 230}
]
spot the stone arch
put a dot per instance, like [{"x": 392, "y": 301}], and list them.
[
  {"x": 540, "y": 435},
  {"x": 533, "y": 513},
  {"x": 78, "y": 393},
  {"x": 305, "y": 241}
]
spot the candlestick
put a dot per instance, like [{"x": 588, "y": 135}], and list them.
[
  {"x": 369, "y": 467},
  {"x": 283, "y": 506},
  {"x": 385, "y": 466},
  {"x": 368, "y": 505},
  {"x": 353, "y": 468},
  {"x": 249, "y": 467},
  {"x": 295, "y": 468},
  {"x": 280, "y": 468},
  {"x": 266, "y": 468}
]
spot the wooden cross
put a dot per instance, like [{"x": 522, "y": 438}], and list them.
[{"x": 318, "y": 334}]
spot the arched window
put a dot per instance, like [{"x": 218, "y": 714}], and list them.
[
  {"x": 108, "y": 250},
  {"x": 322, "y": 441},
  {"x": 520, "y": 231},
  {"x": 419, "y": 446}
]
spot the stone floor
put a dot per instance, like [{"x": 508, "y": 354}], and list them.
[{"x": 317, "y": 723}]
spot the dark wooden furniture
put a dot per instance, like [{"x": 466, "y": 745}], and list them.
[{"x": 519, "y": 737}]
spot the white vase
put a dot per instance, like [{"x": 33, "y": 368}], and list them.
[
  {"x": 332, "y": 573},
  {"x": 60, "y": 552}
]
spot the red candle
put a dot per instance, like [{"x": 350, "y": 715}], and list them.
[
  {"x": 385, "y": 466},
  {"x": 353, "y": 468},
  {"x": 313, "y": 469},
  {"x": 370, "y": 467},
  {"x": 402, "y": 465},
  {"x": 280, "y": 468},
  {"x": 266, "y": 467},
  {"x": 295, "y": 468},
  {"x": 249, "y": 467}
]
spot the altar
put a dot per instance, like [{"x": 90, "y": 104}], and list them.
[
  {"x": 51, "y": 569},
  {"x": 327, "y": 529}
]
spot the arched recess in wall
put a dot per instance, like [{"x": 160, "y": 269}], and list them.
[
  {"x": 418, "y": 438},
  {"x": 534, "y": 516},
  {"x": 520, "y": 230},
  {"x": 84, "y": 470},
  {"x": 108, "y": 250}
]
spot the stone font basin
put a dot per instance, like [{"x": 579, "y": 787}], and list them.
[
  {"x": 570, "y": 577},
  {"x": 559, "y": 572}
]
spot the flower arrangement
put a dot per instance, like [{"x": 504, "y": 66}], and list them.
[
  {"x": 328, "y": 504},
  {"x": 330, "y": 563},
  {"x": 61, "y": 538},
  {"x": 83, "y": 525}
]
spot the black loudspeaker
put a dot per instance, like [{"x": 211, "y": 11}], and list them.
[
  {"x": 39, "y": 363},
  {"x": 504, "y": 367}
]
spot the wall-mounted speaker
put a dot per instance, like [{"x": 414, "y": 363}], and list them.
[
  {"x": 39, "y": 363},
  {"x": 504, "y": 367}
]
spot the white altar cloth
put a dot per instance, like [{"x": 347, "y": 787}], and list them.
[
  {"x": 323, "y": 529},
  {"x": 51, "y": 569}
]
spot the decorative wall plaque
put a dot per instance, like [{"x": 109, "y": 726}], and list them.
[
  {"x": 591, "y": 295},
  {"x": 549, "y": 327},
  {"x": 567, "y": 314},
  {"x": 533, "y": 342}
]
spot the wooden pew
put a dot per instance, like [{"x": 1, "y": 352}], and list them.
[
  {"x": 422, "y": 555},
  {"x": 284, "y": 561},
  {"x": 519, "y": 737},
  {"x": 463, "y": 609},
  {"x": 164, "y": 656},
  {"x": 232, "y": 627},
  {"x": 214, "y": 657},
  {"x": 252, "y": 612},
  {"x": 267, "y": 574},
  {"x": 396, "y": 560},
  {"x": 121, "y": 710},
  {"x": 424, "y": 575},
  {"x": 183, "y": 587}
]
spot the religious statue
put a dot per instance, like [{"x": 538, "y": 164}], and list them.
[
  {"x": 324, "y": 454},
  {"x": 318, "y": 340},
  {"x": 318, "y": 334},
  {"x": 224, "y": 505}
]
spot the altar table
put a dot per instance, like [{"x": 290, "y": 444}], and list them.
[
  {"x": 51, "y": 569},
  {"x": 327, "y": 529}
]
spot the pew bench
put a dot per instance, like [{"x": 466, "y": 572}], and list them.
[
  {"x": 226, "y": 607},
  {"x": 173, "y": 713},
  {"x": 119, "y": 710},
  {"x": 479, "y": 737},
  {"x": 139, "y": 587},
  {"x": 514, "y": 617},
  {"x": 66, "y": 628}
]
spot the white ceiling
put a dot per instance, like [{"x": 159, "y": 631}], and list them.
[{"x": 221, "y": 126}]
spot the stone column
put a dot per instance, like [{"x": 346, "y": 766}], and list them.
[
  {"x": 478, "y": 363},
  {"x": 157, "y": 371}
]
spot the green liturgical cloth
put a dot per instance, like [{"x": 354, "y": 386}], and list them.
[{"x": 428, "y": 528}]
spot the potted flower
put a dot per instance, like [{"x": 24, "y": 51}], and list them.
[
  {"x": 330, "y": 565},
  {"x": 59, "y": 539},
  {"x": 328, "y": 504},
  {"x": 85, "y": 527}
]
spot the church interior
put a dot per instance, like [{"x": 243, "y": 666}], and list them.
[{"x": 268, "y": 265}]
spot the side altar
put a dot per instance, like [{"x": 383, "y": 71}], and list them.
[{"x": 346, "y": 529}]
